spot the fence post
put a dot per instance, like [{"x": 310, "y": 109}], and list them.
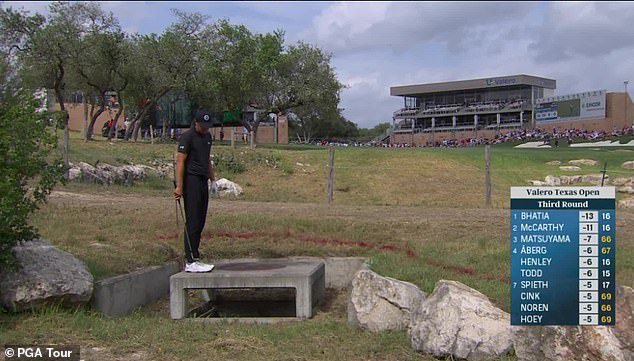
[
  {"x": 252, "y": 140},
  {"x": 232, "y": 137},
  {"x": 487, "y": 175},
  {"x": 331, "y": 173},
  {"x": 151, "y": 134}
]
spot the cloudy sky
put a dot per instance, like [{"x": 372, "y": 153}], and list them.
[{"x": 375, "y": 45}]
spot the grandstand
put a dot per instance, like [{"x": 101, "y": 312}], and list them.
[{"x": 483, "y": 108}]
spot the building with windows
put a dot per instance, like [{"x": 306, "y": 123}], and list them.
[{"x": 483, "y": 108}]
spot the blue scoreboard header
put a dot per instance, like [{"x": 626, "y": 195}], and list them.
[{"x": 562, "y": 255}]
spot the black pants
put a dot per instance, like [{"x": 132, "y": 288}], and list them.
[{"x": 196, "y": 196}]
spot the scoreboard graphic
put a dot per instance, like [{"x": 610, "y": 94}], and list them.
[{"x": 563, "y": 248}]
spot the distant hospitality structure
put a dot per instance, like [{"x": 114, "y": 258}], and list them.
[{"x": 484, "y": 108}]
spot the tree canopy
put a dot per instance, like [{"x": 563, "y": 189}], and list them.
[{"x": 218, "y": 65}]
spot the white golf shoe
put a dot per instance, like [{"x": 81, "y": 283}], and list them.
[{"x": 198, "y": 267}]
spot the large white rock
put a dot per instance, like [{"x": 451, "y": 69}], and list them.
[
  {"x": 537, "y": 183},
  {"x": 583, "y": 343},
  {"x": 91, "y": 174},
  {"x": 584, "y": 162},
  {"x": 135, "y": 171},
  {"x": 74, "y": 173},
  {"x": 125, "y": 174},
  {"x": 624, "y": 329},
  {"x": 551, "y": 180},
  {"x": 555, "y": 343},
  {"x": 627, "y": 189},
  {"x": 623, "y": 181},
  {"x": 381, "y": 303},
  {"x": 626, "y": 203},
  {"x": 594, "y": 178},
  {"x": 460, "y": 322},
  {"x": 570, "y": 168},
  {"x": 45, "y": 275},
  {"x": 570, "y": 179},
  {"x": 225, "y": 187},
  {"x": 165, "y": 170},
  {"x": 628, "y": 165}
]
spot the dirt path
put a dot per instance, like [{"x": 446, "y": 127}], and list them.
[{"x": 481, "y": 216}]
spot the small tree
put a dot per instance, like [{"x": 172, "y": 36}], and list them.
[{"x": 29, "y": 174}]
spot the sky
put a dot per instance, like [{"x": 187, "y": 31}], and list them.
[{"x": 375, "y": 45}]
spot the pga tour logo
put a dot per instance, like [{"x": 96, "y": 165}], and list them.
[
  {"x": 206, "y": 117},
  {"x": 181, "y": 147}
]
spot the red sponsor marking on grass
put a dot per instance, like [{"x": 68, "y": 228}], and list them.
[
  {"x": 289, "y": 235},
  {"x": 343, "y": 242},
  {"x": 466, "y": 271}
]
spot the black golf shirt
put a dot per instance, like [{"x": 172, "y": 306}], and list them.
[{"x": 198, "y": 149}]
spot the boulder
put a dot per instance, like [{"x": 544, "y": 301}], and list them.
[
  {"x": 125, "y": 174},
  {"x": 95, "y": 175},
  {"x": 622, "y": 181},
  {"x": 628, "y": 165},
  {"x": 554, "y": 162},
  {"x": 584, "y": 343},
  {"x": 45, "y": 275},
  {"x": 381, "y": 303},
  {"x": 551, "y": 180},
  {"x": 594, "y": 178},
  {"x": 458, "y": 321},
  {"x": 136, "y": 172},
  {"x": 74, "y": 173},
  {"x": 555, "y": 343},
  {"x": 165, "y": 170},
  {"x": 570, "y": 168},
  {"x": 626, "y": 203},
  {"x": 624, "y": 329},
  {"x": 570, "y": 179},
  {"x": 537, "y": 183},
  {"x": 584, "y": 162},
  {"x": 225, "y": 187},
  {"x": 628, "y": 190}
]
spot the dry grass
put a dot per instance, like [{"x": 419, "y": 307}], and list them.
[{"x": 416, "y": 213}]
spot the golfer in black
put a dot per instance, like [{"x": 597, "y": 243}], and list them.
[{"x": 193, "y": 169}]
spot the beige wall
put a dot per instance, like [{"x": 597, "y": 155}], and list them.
[
  {"x": 266, "y": 133},
  {"x": 615, "y": 118},
  {"x": 76, "y": 115}
]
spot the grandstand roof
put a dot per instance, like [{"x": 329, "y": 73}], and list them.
[{"x": 484, "y": 83}]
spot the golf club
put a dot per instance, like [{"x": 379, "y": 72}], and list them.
[
  {"x": 178, "y": 201},
  {"x": 175, "y": 206}
]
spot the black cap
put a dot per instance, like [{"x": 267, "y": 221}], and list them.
[{"x": 203, "y": 118}]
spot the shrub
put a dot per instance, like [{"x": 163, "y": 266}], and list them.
[{"x": 28, "y": 170}]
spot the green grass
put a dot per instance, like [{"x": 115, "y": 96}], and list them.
[
  {"x": 366, "y": 176},
  {"x": 417, "y": 214}
]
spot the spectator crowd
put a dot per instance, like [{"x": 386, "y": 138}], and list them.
[{"x": 554, "y": 137}]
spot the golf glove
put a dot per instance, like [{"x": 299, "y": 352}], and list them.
[{"x": 214, "y": 187}]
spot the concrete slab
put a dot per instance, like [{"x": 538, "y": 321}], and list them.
[
  {"x": 306, "y": 277},
  {"x": 121, "y": 295},
  {"x": 339, "y": 270}
]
